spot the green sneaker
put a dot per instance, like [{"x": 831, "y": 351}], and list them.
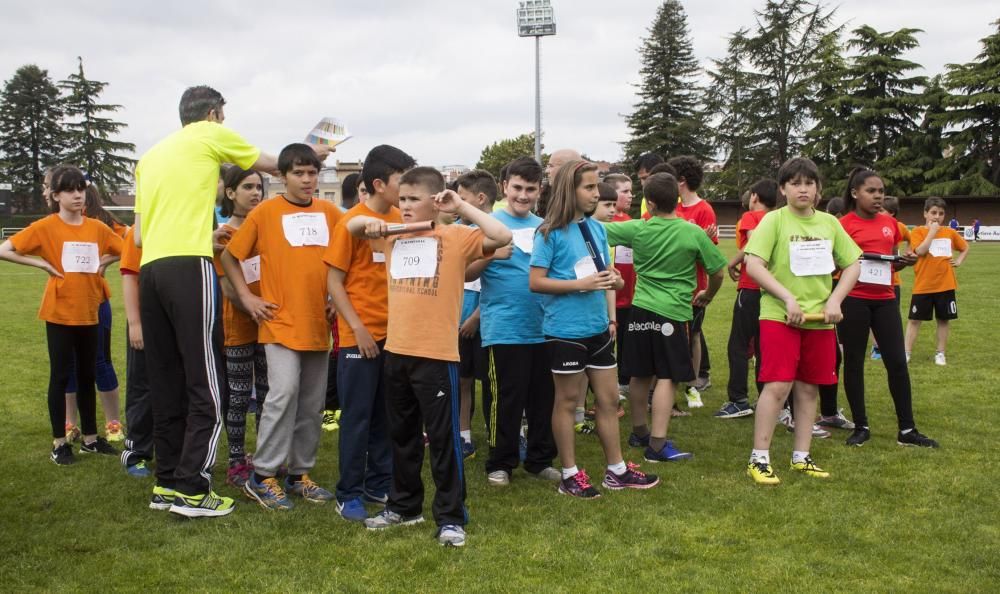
[
  {"x": 205, "y": 505},
  {"x": 162, "y": 498}
]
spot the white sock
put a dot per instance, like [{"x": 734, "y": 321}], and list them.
[
  {"x": 760, "y": 456},
  {"x": 578, "y": 415},
  {"x": 466, "y": 435},
  {"x": 798, "y": 456},
  {"x": 568, "y": 472},
  {"x": 619, "y": 468}
]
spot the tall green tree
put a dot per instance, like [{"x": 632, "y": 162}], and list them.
[
  {"x": 971, "y": 121},
  {"x": 825, "y": 142},
  {"x": 30, "y": 133},
  {"x": 501, "y": 152},
  {"x": 90, "y": 131},
  {"x": 669, "y": 118}
]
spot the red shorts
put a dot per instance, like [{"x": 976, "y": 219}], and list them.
[{"x": 788, "y": 353}]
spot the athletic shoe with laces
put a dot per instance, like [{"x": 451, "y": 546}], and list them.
[
  {"x": 585, "y": 428},
  {"x": 578, "y": 485},
  {"x": 734, "y": 410},
  {"x": 915, "y": 438},
  {"x": 786, "y": 419},
  {"x": 451, "y": 535},
  {"x": 162, "y": 498},
  {"x": 762, "y": 473},
  {"x": 72, "y": 432},
  {"x": 939, "y": 359},
  {"x": 668, "y": 453},
  {"x": 331, "y": 420},
  {"x": 837, "y": 421},
  {"x": 858, "y": 437},
  {"x": 352, "y": 510},
  {"x": 114, "y": 432},
  {"x": 99, "y": 446},
  {"x": 390, "y": 519},
  {"x": 693, "y": 397},
  {"x": 809, "y": 468},
  {"x": 546, "y": 474},
  {"x": 498, "y": 478},
  {"x": 238, "y": 472},
  {"x": 138, "y": 470},
  {"x": 638, "y": 442},
  {"x": 375, "y": 498},
  {"x": 267, "y": 493},
  {"x": 62, "y": 455},
  {"x": 206, "y": 505},
  {"x": 468, "y": 450},
  {"x": 702, "y": 384},
  {"x": 632, "y": 478},
  {"x": 876, "y": 354},
  {"x": 308, "y": 490}
]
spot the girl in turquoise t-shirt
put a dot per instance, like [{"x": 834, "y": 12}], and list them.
[{"x": 569, "y": 266}]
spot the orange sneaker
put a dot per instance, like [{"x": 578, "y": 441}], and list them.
[
  {"x": 114, "y": 431},
  {"x": 72, "y": 432}
]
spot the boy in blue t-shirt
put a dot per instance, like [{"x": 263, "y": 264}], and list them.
[{"x": 511, "y": 329}]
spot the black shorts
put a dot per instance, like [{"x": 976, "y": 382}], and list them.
[
  {"x": 657, "y": 346},
  {"x": 697, "y": 319},
  {"x": 942, "y": 304},
  {"x": 573, "y": 355},
  {"x": 472, "y": 357}
]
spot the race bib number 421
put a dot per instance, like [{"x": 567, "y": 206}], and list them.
[
  {"x": 80, "y": 256},
  {"x": 306, "y": 228}
]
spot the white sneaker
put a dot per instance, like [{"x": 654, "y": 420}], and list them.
[
  {"x": 693, "y": 397},
  {"x": 939, "y": 359},
  {"x": 622, "y": 392},
  {"x": 545, "y": 474},
  {"x": 451, "y": 535},
  {"x": 908, "y": 355},
  {"x": 499, "y": 478},
  {"x": 785, "y": 418}
]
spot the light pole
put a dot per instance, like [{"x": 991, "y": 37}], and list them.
[{"x": 535, "y": 19}]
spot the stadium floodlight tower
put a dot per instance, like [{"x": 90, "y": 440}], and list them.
[{"x": 535, "y": 19}]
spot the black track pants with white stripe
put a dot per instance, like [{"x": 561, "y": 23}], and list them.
[{"x": 179, "y": 301}]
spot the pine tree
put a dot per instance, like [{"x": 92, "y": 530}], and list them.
[
  {"x": 825, "y": 141},
  {"x": 669, "y": 118},
  {"x": 89, "y": 134},
  {"x": 971, "y": 122},
  {"x": 30, "y": 134}
]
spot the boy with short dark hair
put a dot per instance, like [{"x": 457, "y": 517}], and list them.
[
  {"x": 934, "y": 280},
  {"x": 792, "y": 255},
  {"x": 290, "y": 233},
  {"x": 656, "y": 341},
  {"x": 426, "y": 275},
  {"x": 744, "y": 334},
  {"x": 356, "y": 280}
]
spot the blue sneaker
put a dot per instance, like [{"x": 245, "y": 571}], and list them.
[
  {"x": 668, "y": 454},
  {"x": 267, "y": 493},
  {"x": 352, "y": 510},
  {"x": 468, "y": 450},
  {"x": 638, "y": 442},
  {"x": 375, "y": 498},
  {"x": 138, "y": 470},
  {"x": 522, "y": 448},
  {"x": 734, "y": 410},
  {"x": 307, "y": 489},
  {"x": 876, "y": 354}
]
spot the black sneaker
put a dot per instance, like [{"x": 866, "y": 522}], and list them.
[
  {"x": 638, "y": 442},
  {"x": 632, "y": 478},
  {"x": 578, "y": 485},
  {"x": 915, "y": 438},
  {"x": 858, "y": 437},
  {"x": 98, "y": 446},
  {"x": 63, "y": 455}
]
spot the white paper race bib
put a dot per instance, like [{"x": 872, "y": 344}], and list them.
[
  {"x": 941, "y": 248},
  {"x": 378, "y": 257},
  {"x": 251, "y": 269},
  {"x": 80, "y": 256},
  {"x": 811, "y": 258},
  {"x": 584, "y": 267},
  {"x": 305, "y": 228},
  {"x": 524, "y": 239},
  {"x": 623, "y": 255},
  {"x": 475, "y": 285},
  {"x": 876, "y": 272},
  {"x": 414, "y": 258}
]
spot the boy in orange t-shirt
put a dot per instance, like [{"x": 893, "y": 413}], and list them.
[
  {"x": 356, "y": 281},
  {"x": 290, "y": 233},
  {"x": 426, "y": 282},
  {"x": 934, "y": 280}
]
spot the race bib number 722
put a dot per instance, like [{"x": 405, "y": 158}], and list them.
[{"x": 80, "y": 256}]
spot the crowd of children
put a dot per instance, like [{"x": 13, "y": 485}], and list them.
[{"x": 428, "y": 290}]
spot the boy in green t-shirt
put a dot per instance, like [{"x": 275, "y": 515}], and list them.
[
  {"x": 665, "y": 250},
  {"x": 792, "y": 254}
]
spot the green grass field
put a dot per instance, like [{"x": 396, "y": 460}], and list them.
[{"x": 890, "y": 519}]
